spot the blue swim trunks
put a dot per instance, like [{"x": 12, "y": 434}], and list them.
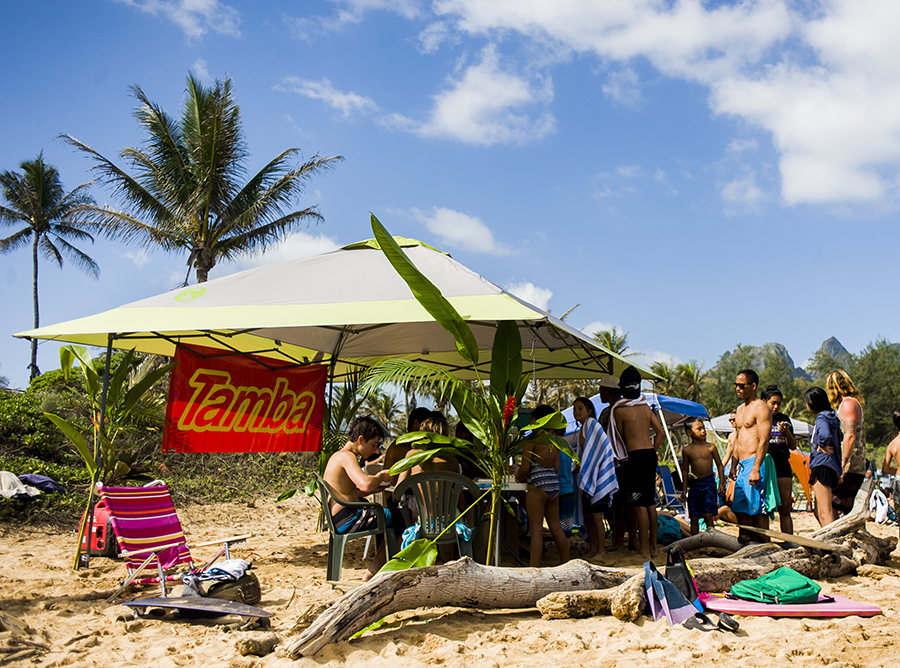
[
  {"x": 703, "y": 496},
  {"x": 749, "y": 499}
]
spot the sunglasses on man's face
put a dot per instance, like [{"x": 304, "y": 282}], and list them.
[{"x": 741, "y": 386}]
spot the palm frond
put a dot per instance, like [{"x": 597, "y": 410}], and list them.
[{"x": 421, "y": 375}]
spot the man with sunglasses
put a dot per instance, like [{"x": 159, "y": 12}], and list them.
[{"x": 753, "y": 420}]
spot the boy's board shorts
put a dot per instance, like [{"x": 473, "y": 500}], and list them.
[
  {"x": 703, "y": 496},
  {"x": 353, "y": 520},
  {"x": 639, "y": 474},
  {"x": 749, "y": 499}
]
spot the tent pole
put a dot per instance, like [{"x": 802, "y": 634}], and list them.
[
  {"x": 662, "y": 418},
  {"x": 86, "y": 556}
]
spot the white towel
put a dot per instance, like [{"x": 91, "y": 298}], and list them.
[{"x": 620, "y": 451}]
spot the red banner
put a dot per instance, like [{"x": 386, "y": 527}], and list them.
[{"x": 233, "y": 404}]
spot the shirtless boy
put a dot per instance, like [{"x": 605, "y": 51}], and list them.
[
  {"x": 753, "y": 420},
  {"x": 349, "y": 482},
  {"x": 702, "y": 491},
  {"x": 632, "y": 420}
]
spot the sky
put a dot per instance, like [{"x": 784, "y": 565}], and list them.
[{"x": 697, "y": 174}]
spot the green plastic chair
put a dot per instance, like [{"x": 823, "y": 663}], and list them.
[
  {"x": 338, "y": 541},
  {"x": 437, "y": 499}
]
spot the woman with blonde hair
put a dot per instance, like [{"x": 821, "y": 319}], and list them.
[{"x": 847, "y": 402}]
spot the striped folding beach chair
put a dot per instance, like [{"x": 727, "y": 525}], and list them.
[{"x": 150, "y": 535}]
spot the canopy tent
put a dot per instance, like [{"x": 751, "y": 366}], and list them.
[
  {"x": 348, "y": 308},
  {"x": 722, "y": 426},
  {"x": 673, "y": 412}
]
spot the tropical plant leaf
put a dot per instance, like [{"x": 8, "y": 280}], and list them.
[
  {"x": 137, "y": 391},
  {"x": 564, "y": 446},
  {"x": 552, "y": 421},
  {"x": 422, "y": 456},
  {"x": 427, "y": 294},
  {"x": 418, "y": 554},
  {"x": 506, "y": 359},
  {"x": 287, "y": 494},
  {"x": 77, "y": 440}
]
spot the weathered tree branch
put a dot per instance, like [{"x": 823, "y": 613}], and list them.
[{"x": 461, "y": 583}]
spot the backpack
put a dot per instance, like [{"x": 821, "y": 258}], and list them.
[
  {"x": 667, "y": 530},
  {"x": 784, "y": 585}
]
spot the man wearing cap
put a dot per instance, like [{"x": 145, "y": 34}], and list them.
[
  {"x": 630, "y": 421},
  {"x": 753, "y": 420}
]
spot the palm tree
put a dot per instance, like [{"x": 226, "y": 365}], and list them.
[
  {"x": 614, "y": 340},
  {"x": 186, "y": 191},
  {"x": 49, "y": 217}
]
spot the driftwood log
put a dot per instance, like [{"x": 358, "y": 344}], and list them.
[
  {"x": 463, "y": 584},
  {"x": 579, "y": 589}
]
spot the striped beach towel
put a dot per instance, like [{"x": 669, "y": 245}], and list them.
[{"x": 597, "y": 477}]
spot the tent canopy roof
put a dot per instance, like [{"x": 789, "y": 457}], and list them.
[{"x": 348, "y": 306}]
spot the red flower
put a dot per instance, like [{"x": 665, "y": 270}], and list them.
[{"x": 509, "y": 410}]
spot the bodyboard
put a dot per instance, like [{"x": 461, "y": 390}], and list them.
[
  {"x": 839, "y": 607},
  {"x": 800, "y": 466},
  {"x": 200, "y": 604}
]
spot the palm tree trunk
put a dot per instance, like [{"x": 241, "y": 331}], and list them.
[{"x": 35, "y": 372}]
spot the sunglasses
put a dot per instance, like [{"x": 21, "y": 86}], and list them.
[{"x": 741, "y": 386}]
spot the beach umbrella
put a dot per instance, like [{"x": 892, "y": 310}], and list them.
[{"x": 348, "y": 308}]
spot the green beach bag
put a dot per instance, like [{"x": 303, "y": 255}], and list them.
[{"x": 784, "y": 585}]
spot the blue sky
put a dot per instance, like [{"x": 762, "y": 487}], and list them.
[{"x": 697, "y": 174}]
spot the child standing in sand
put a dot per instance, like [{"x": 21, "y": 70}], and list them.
[
  {"x": 540, "y": 469},
  {"x": 702, "y": 491}
]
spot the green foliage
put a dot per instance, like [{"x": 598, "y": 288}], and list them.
[
  {"x": 24, "y": 431},
  {"x": 876, "y": 372},
  {"x": 129, "y": 400}
]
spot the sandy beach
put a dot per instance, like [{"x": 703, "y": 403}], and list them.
[{"x": 66, "y": 613}]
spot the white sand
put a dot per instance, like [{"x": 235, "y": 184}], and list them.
[{"x": 37, "y": 586}]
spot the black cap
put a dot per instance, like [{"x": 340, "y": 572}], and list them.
[{"x": 630, "y": 383}]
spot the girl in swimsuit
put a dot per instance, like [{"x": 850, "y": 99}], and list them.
[{"x": 539, "y": 468}]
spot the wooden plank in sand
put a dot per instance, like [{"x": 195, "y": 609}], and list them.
[{"x": 791, "y": 538}]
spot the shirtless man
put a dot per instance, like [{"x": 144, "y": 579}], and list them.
[
  {"x": 349, "y": 482},
  {"x": 631, "y": 420},
  {"x": 753, "y": 420}
]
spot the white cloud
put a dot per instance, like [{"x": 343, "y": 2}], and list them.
[
  {"x": 478, "y": 108},
  {"x": 460, "y": 230},
  {"x": 348, "y": 12},
  {"x": 822, "y": 78},
  {"x": 199, "y": 69},
  {"x": 648, "y": 357},
  {"x": 432, "y": 37},
  {"x": 532, "y": 294},
  {"x": 346, "y": 103},
  {"x": 295, "y": 245},
  {"x": 629, "y": 171},
  {"x": 598, "y": 326},
  {"x": 743, "y": 192},
  {"x": 624, "y": 87},
  {"x": 139, "y": 258},
  {"x": 194, "y": 17}
]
